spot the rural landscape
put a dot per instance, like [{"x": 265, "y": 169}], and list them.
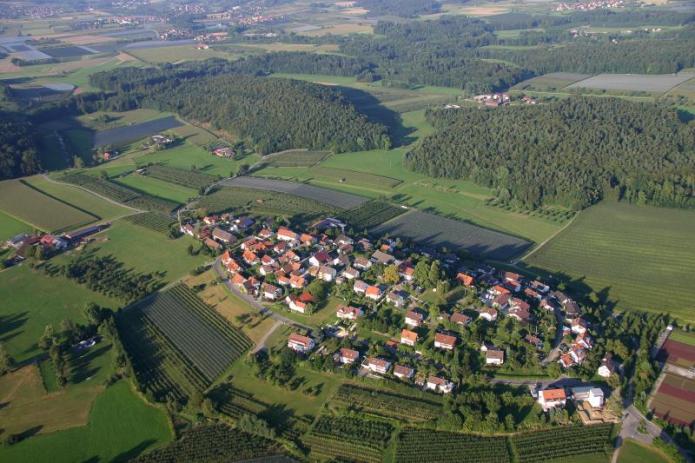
[{"x": 347, "y": 231}]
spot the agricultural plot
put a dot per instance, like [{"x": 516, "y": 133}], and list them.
[
  {"x": 417, "y": 445},
  {"x": 176, "y": 54},
  {"x": 68, "y": 51},
  {"x": 9, "y": 227},
  {"x": 371, "y": 214},
  {"x": 199, "y": 332},
  {"x": 349, "y": 438},
  {"x": 153, "y": 220},
  {"x": 678, "y": 351},
  {"x": 122, "y": 135},
  {"x": 551, "y": 82},
  {"x": 323, "y": 195},
  {"x": 388, "y": 404},
  {"x": 262, "y": 202},
  {"x": 295, "y": 158},
  {"x": 635, "y": 452},
  {"x": 641, "y": 257},
  {"x": 564, "y": 442},
  {"x": 156, "y": 188},
  {"x": 633, "y": 82},
  {"x": 436, "y": 231},
  {"x": 674, "y": 401},
  {"x": 23, "y": 202},
  {"x": 188, "y": 178},
  {"x": 351, "y": 177}
]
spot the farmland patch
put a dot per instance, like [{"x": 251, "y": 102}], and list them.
[
  {"x": 153, "y": 220},
  {"x": 563, "y": 442},
  {"x": 346, "y": 437},
  {"x": 330, "y": 197},
  {"x": 35, "y": 208},
  {"x": 371, "y": 214},
  {"x": 436, "y": 231},
  {"x": 633, "y": 82},
  {"x": 188, "y": 178},
  {"x": 295, "y": 158},
  {"x": 68, "y": 51},
  {"x": 551, "y": 82},
  {"x": 415, "y": 445},
  {"x": 674, "y": 401},
  {"x": 122, "y": 135}
]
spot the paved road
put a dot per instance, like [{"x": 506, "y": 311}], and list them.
[
  {"x": 253, "y": 302},
  {"x": 554, "y": 354}
]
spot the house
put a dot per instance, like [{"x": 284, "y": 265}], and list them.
[
  {"x": 409, "y": 338},
  {"x": 437, "y": 384},
  {"x": 378, "y": 365},
  {"x": 374, "y": 293},
  {"x": 539, "y": 287},
  {"x": 51, "y": 241},
  {"x": 362, "y": 263},
  {"x": 188, "y": 229},
  {"x": 211, "y": 220},
  {"x": 535, "y": 341},
  {"x": 307, "y": 240},
  {"x": 498, "y": 290},
  {"x": 241, "y": 224},
  {"x": 566, "y": 361},
  {"x": 296, "y": 305},
  {"x": 343, "y": 240},
  {"x": 223, "y": 236},
  {"x": 360, "y": 287},
  {"x": 299, "y": 343},
  {"x": 364, "y": 244},
  {"x": 444, "y": 341},
  {"x": 239, "y": 280},
  {"x": 577, "y": 353},
  {"x": 414, "y": 318},
  {"x": 407, "y": 271},
  {"x": 397, "y": 298},
  {"x": 223, "y": 152},
  {"x": 532, "y": 294},
  {"x": 350, "y": 273},
  {"x": 297, "y": 281},
  {"x": 320, "y": 258},
  {"x": 501, "y": 301},
  {"x": 494, "y": 357},
  {"x": 348, "y": 356},
  {"x": 403, "y": 372},
  {"x": 589, "y": 395},
  {"x": 488, "y": 313},
  {"x": 519, "y": 310},
  {"x": 584, "y": 341},
  {"x": 382, "y": 258},
  {"x": 571, "y": 309},
  {"x": 465, "y": 279},
  {"x": 285, "y": 234},
  {"x": 250, "y": 257},
  {"x": 326, "y": 273},
  {"x": 345, "y": 312},
  {"x": 282, "y": 278},
  {"x": 579, "y": 326},
  {"x": 548, "y": 304},
  {"x": 607, "y": 367},
  {"x": 551, "y": 398},
  {"x": 212, "y": 244},
  {"x": 460, "y": 319},
  {"x": 270, "y": 292}
]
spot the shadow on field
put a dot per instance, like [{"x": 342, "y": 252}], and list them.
[
  {"x": 133, "y": 452},
  {"x": 11, "y": 323}
]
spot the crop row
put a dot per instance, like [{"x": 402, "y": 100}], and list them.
[
  {"x": 562, "y": 442},
  {"x": 188, "y": 178},
  {"x": 371, "y": 214},
  {"x": 268, "y": 201},
  {"x": 416, "y": 445},
  {"x": 367, "y": 432},
  {"x": 330, "y": 448},
  {"x": 152, "y": 220},
  {"x": 296, "y": 158},
  {"x": 387, "y": 404}
]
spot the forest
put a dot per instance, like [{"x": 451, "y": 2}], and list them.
[
  {"x": 18, "y": 150},
  {"x": 402, "y": 8},
  {"x": 573, "y": 152},
  {"x": 271, "y": 114}
]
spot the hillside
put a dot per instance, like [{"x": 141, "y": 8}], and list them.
[{"x": 574, "y": 152}]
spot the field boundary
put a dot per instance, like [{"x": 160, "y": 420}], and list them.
[
  {"x": 96, "y": 217},
  {"x": 546, "y": 241},
  {"x": 112, "y": 201}
]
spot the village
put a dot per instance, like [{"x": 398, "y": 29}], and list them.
[{"x": 290, "y": 270}]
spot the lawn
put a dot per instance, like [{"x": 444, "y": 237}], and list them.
[
  {"x": 319, "y": 317},
  {"x": 176, "y": 54},
  {"x": 636, "y": 452},
  {"x": 9, "y": 227},
  {"x": 159, "y": 188},
  {"x": 31, "y": 301},
  {"x": 121, "y": 426},
  {"x": 43, "y": 212},
  {"x": 639, "y": 257},
  {"x": 149, "y": 251},
  {"x": 78, "y": 198}
]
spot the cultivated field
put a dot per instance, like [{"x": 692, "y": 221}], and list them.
[
  {"x": 436, "y": 231},
  {"x": 330, "y": 197},
  {"x": 371, "y": 214},
  {"x": 633, "y": 82},
  {"x": 41, "y": 211},
  {"x": 639, "y": 257},
  {"x": 9, "y": 227},
  {"x": 188, "y": 178},
  {"x": 635, "y": 452},
  {"x": 153, "y": 186},
  {"x": 176, "y": 54},
  {"x": 152, "y": 220},
  {"x": 551, "y": 82},
  {"x": 295, "y": 158},
  {"x": 121, "y": 135},
  {"x": 350, "y": 438},
  {"x": 416, "y": 445},
  {"x": 674, "y": 401}
]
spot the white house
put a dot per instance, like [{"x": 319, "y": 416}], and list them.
[
  {"x": 378, "y": 365},
  {"x": 551, "y": 398},
  {"x": 494, "y": 357},
  {"x": 437, "y": 384},
  {"x": 591, "y": 395},
  {"x": 299, "y": 343},
  {"x": 345, "y": 312},
  {"x": 348, "y": 356}
]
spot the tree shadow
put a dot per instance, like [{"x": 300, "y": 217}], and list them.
[{"x": 133, "y": 452}]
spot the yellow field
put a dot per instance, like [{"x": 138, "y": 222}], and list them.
[{"x": 342, "y": 29}]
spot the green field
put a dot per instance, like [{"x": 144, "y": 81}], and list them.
[
  {"x": 639, "y": 257},
  {"x": 159, "y": 188},
  {"x": 43, "y": 212},
  {"x": 121, "y": 426},
  {"x": 684, "y": 337},
  {"x": 79, "y": 198},
  {"x": 177, "y": 53},
  {"x": 148, "y": 251},
  {"x": 9, "y": 226},
  {"x": 31, "y": 301},
  {"x": 634, "y": 452}
]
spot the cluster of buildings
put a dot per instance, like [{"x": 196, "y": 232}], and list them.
[
  {"x": 49, "y": 242},
  {"x": 590, "y": 5},
  {"x": 493, "y": 100}
]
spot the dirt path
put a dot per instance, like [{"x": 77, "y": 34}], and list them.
[
  {"x": 544, "y": 242},
  {"x": 260, "y": 345}
]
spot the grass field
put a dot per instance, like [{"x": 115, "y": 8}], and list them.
[
  {"x": 79, "y": 198},
  {"x": 31, "y": 301},
  {"x": 635, "y": 452},
  {"x": 176, "y": 54},
  {"x": 28, "y": 205},
  {"x": 633, "y": 82},
  {"x": 159, "y": 188},
  {"x": 684, "y": 337},
  {"x": 148, "y": 251},
  {"x": 640, "y": 257},
  {"x": 9, "y": 226},
  {"x": 121, "y": 426}
]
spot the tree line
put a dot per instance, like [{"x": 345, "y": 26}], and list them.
[
  {"x": 18, "y": 149},
  {"x": 574, "y": 152}
]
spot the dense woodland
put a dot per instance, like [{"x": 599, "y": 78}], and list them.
[
  {"x": 574, "y": 152},
  {"x": 18, "y": 150},
  {"x": 402, "y": 8},
  {"x": 271, "y": 114}
]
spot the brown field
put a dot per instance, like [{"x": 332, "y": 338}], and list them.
[
  {"x": 342, "y": 29},
  {"x": 28, "y": 406},
  {"x": 675, "y": 400},
  {"x": 484, "y": 10},
  {"x": 355, "y": 11},
  {"x": 678, "y": 353},
  {"x": 87, "y": 39}
]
